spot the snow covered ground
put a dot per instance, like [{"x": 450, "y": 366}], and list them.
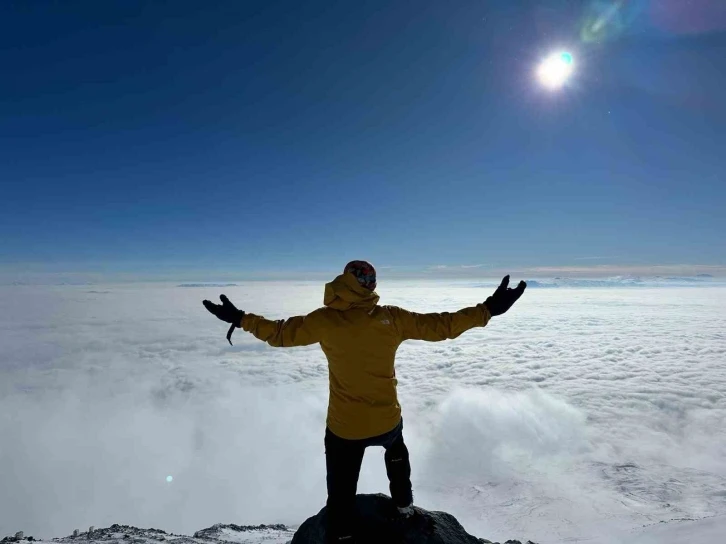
[
  {"x": 591, "y": 413},
  {"x": 217, "y": 534}
]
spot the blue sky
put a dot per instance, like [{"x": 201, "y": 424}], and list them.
[{"x": 274, "y": 136}]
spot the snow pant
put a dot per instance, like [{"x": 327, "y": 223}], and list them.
[{"x": 343, "y": 460}]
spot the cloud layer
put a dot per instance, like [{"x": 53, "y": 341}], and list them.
[{"x": 582, "y": 413}]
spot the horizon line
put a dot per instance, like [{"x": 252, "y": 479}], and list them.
[{"x": 25, "y": 276}]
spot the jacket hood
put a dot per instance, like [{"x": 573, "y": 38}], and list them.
[{"x": 345, "y": 293}]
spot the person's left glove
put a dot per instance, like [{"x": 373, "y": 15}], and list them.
[
  {"x": 226, "y": 312},
  {"x": 504, "y": 297}
]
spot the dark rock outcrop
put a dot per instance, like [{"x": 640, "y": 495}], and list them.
[
  {"x": 378, "y": 523},
  {"x": 117, "y": 532}
]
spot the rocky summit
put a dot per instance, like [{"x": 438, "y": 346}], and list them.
[{"x": 380, "y": 524}]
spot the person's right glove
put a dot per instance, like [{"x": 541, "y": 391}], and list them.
[
  {"x": 504, "y": 297},
  {"x": 227, "y": 312}
]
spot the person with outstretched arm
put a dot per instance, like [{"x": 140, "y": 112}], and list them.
[{"x": 360, "y": 338}]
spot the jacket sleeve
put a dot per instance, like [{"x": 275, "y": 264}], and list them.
[
  {"x": 437, "y": 327},
  {"x": 292, "y": 332}
]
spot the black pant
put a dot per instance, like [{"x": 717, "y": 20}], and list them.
[{"x": 343, "y": 460}]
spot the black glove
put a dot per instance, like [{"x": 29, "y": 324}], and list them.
[
  {"x": 226, "y": 312},
  {"x": 504, "y": 297}
]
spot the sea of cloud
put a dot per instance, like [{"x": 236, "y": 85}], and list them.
[{"x": 584, "y": 413}]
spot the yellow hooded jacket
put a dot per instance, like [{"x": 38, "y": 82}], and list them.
[{"x": 360, "y": 339}]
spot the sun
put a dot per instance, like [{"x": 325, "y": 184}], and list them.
[{"x": 555, "y": 70}]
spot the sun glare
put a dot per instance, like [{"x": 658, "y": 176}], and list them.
[{"x": 555, "y": 70}]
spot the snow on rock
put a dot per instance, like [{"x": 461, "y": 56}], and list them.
[
  {"x": 380, "y": 524},
  {"x": 243, "y": 534},
  {"x": 693, "y": 531}
]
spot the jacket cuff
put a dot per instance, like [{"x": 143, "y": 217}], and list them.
[
  {"x": 486, "y": 312},
  {"x": 245, "y": 319}
]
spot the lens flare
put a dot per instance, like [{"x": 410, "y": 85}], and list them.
[
  {"x": 555, "y": 70},
  {"x": 169, "y": 479}
]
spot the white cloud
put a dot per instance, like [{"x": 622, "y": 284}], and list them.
[
  {"x": 597, "y": 258},
  {"x": 582, "y": 413},
  {"x": 605, "y": 270}
]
